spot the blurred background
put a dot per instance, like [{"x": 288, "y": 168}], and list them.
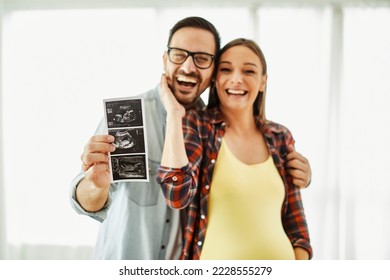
[{"x": 328, "y": 67}]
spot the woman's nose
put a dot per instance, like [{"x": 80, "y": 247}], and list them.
[{"x": 236, "y": 77}]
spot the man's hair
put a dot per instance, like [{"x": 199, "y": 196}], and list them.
[{"x": 196, "y": 22}]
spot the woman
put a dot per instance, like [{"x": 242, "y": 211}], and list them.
[{"x": 229, "y": 171}]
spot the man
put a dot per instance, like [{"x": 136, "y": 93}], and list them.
[{"x": 136, "y": 222}]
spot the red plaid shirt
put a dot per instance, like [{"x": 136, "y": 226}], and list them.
[{"x": 189, "y": 187}]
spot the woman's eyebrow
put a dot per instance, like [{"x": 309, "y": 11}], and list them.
[
  {"x": 251, "y": 64},
  {"x": 246, "y": 63}
]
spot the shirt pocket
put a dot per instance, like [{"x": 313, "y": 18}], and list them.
[{"x": 146, "y": 193}]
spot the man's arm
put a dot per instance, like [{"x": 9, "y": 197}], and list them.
[
  {"x": 92, "y": 191},
  {"x": 92, "y": 199}
]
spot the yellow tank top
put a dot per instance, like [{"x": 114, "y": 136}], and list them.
[{"x": 245, "y": 211}]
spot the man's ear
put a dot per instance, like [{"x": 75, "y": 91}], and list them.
[{"x": 165, "y": 59}]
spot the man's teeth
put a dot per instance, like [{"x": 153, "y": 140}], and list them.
[
  {"x": 186, "y": 79},
  {"x": 237, "y": 92}
]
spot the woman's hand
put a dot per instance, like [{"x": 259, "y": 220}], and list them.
[{"x": 172, "y": 106}]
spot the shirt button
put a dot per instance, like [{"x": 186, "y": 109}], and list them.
[
  {"x": 174, "y": 178},
  {"x": 199, "y": 243},
  {"x": 207, "y": 187},
  {"x": 163, "y": 247},
  {"x": 167, "y": 220},
  {"x": 213, "y": 161}
]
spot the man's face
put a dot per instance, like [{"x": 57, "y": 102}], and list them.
[{"x": 187, "y": 81}]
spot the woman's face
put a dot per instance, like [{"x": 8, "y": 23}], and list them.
[{"x": 239, "y": 79}]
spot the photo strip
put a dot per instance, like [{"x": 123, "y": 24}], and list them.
[{"x": 125, "y": 121}]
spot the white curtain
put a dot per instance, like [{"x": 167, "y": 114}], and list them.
[
  {"x": 3, "y": 243},
  {"x": 328, "y": 68},
  {"x": 364, "y": 134}
]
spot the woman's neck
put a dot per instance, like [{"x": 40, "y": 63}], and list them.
[
  {"x": 243, "y": 138},
  {"x": 239, "y": 120}
]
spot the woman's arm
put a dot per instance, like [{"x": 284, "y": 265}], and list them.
[
  {"x": 301, "y": 254},
  {"x": 174, "y": 153},
  {"x": 177, "y": 173}
]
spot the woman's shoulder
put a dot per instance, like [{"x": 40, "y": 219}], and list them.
[
  {"x": 204, "y": 115},
  {"x": 275, "y": 129}
]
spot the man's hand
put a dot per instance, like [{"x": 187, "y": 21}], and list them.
[
  {"x": 298, "y": 167},
  {"x": 92, "y": 191},
  {"x": 95, "y": 160}
]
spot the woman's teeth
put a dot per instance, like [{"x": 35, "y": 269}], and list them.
[{"x": 236, "y": 92}]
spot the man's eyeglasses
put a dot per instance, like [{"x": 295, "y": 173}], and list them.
[{"x": 201, "y": 60}]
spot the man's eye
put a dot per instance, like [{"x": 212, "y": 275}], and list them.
[
  {"x": 201, "y": 61},
  {"x": 201, "y": 58},
  {"x": 179, "y": 56}
]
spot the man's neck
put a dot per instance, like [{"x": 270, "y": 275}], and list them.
[{"x": 198, "y": 104}]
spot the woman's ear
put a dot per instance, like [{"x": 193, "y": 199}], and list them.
[{"x": 263, "y": 83}]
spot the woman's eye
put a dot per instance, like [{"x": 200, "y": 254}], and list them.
[
  {"x": 250, "y": 72},
  {"x": 224, "y": 69}
]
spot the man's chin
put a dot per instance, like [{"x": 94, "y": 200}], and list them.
[{"x": 187, "y": 99}]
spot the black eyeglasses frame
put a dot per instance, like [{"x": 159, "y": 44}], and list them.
[{"x": 192, "y": 54}]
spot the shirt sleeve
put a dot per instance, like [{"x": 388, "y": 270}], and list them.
[
  {"x": 294, "y": 219},
  {"x": 179, "y": 185}
]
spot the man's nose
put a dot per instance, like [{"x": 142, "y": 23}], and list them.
[{"x": 188, "y": 65}]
